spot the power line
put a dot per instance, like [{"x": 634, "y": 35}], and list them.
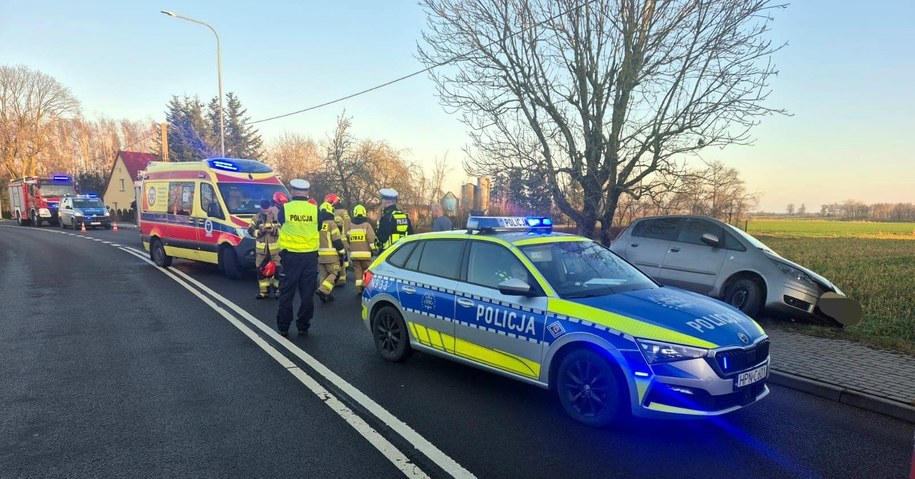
[{"x": 442, "y": 63}]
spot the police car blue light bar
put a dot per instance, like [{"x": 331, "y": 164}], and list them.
[
  {"x": 61, "y": 178},
  {"x": 510, "y": 223}
]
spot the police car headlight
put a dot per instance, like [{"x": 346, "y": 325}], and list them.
[
  {"x": 659, "y": 352},
  {"x": 78, "y": 214},
  {"x": 106, "y": 213}
]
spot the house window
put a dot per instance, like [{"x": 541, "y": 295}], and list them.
[{"x": 122, "y": 184}]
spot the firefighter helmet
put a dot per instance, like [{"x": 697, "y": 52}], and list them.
[
  {"x": 280, "y": 198},
  {"x": 358, "y": 210},
  {"x": 332, "y": 199},
  {"x": 327, "y": 207},
  {"x": 268, "y": 270}
]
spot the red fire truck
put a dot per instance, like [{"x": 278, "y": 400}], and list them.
[{"x": 35, "y": 200}]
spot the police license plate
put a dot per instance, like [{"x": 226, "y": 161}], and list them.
[{"x": 751, "y": 376}]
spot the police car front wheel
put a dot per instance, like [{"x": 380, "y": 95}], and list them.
[
  {"x": 588, "y": 388},
  {"x": 390, "y": 333}
]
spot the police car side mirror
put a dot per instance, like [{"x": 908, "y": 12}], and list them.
[{"x": 514, "y": 287}]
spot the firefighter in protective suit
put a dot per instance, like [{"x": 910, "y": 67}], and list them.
[
  {"x": 361, "y": 243},
  {"x": 394, "y": 224},
  {"x": 265, "y": 229},
  {"x": 331, "y": 252},
  {"x": 341, "y": 217}
]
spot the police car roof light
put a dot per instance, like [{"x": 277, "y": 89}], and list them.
[
  {"x": 509, "y": 223},
  {"x": 61, "y": 178}
]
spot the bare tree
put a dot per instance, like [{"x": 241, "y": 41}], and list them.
[
  {"x": 790, "y": 209},
  {"x": 31, "y": 104},
  {"x": 596, "y": 96},
  {"x": 292, "y": 155}
]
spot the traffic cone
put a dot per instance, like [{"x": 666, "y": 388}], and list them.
[
  {"x": 82, "y": 228},
  {"x": 114, "y": 227}
]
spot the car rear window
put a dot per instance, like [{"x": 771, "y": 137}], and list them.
[
  {"x": 441, "y": 258},
  {"x": 661, "y": 228},
  {"x": 399, "y": 258}
]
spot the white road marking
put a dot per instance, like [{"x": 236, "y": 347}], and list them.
[{"x": 368, "y": 432}]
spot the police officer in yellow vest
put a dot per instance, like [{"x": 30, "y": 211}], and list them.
[
  {"x": 394, "y": 224},
  {"x": 361, "y": 243},
  {"x": 298, "y": 245}
]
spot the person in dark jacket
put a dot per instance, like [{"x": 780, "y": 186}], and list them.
[{"x": 394, "y": 224}]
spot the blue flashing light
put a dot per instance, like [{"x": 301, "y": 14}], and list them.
[
  {"x": 61, "y": 178},
  {"x": 641, "y": 374},
  {"x": 510, "y": 223},
  {"x": 223, "y": 164},
  {"x": 725, "y": 363}
]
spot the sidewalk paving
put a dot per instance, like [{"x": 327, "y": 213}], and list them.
[{"x": 844, "y": 371}]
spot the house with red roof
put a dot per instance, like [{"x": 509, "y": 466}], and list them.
[{"x": 119, "y": 190}]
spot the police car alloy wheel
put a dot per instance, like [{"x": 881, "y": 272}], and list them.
[
  {"x": 390, "y": 332},
  {"x": 588, "y": 389}
]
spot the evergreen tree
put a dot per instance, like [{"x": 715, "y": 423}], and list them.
[
  {"x": 242, "y": 140},
  {"x": 190, "y": 134}
]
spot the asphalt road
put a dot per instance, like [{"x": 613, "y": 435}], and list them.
[{"x": 109, "y": 366}]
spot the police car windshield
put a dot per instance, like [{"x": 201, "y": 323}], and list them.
[
  {"x": 87, "y": 204},
  {"x": 245, "y": 198},
  {"x": 581, "y": 269}
]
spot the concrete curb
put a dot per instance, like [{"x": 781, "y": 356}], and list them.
[{"x": 843, "y": 395}]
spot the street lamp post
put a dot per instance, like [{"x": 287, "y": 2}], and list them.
[{"x": 222, "y": 126}]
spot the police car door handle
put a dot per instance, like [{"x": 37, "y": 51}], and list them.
[
  {"x": 465, "y": 303},
  {"x": 634, "y": 245},
  {"x": 675, "y": 250},
  {"x": 408, "y": 289}
]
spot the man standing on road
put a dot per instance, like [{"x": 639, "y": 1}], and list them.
[
  {"x": 298, "y": 243},
  {"x": 332, "y": 257},
  {"x": 264, "y": 228},
  {"x": 394, "y": 224},
  {"x": 440, "y": 222},
  {"x": 362, "y": 244}
]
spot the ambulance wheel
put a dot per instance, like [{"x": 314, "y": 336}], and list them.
[
  {"x": 229, "y": 263},
  {"x": 390, "y": 333},
  {"x": 588, "y": 388},
  {"x": 157, "y": 251}
]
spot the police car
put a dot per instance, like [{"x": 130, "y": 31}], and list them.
[{"x": 562, "y": 312}]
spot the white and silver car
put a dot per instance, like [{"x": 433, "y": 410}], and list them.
[{"x": 711, "y": 257}]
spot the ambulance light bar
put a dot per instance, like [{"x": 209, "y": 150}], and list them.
[
  {"x": 542, "y": 224},
  {"x": 222, "y": 164}
]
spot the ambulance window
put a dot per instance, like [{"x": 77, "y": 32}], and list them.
[
  {"x": 181, "y": 198},
  {"x": 208, "y": 201},
  {"x": 442, "y": 258}
]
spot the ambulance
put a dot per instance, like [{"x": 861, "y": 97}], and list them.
[{"x": 200, "y": 210}]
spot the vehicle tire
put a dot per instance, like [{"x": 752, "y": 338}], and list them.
[
  {"x": 229, "y": 262},
  {"x": 33, "y": 219},
  {"x": 60, "y": 222},
  {"x": 73, "y": 223},
  {"x": 746, "y": 295},
  {"x": 19, "y": 220},
  {"x": 588, "y": 389},
  {"x": 107, "y": 227},
  {"x": 390, "y": 334},
  {"x": 157, "y": 251}
]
